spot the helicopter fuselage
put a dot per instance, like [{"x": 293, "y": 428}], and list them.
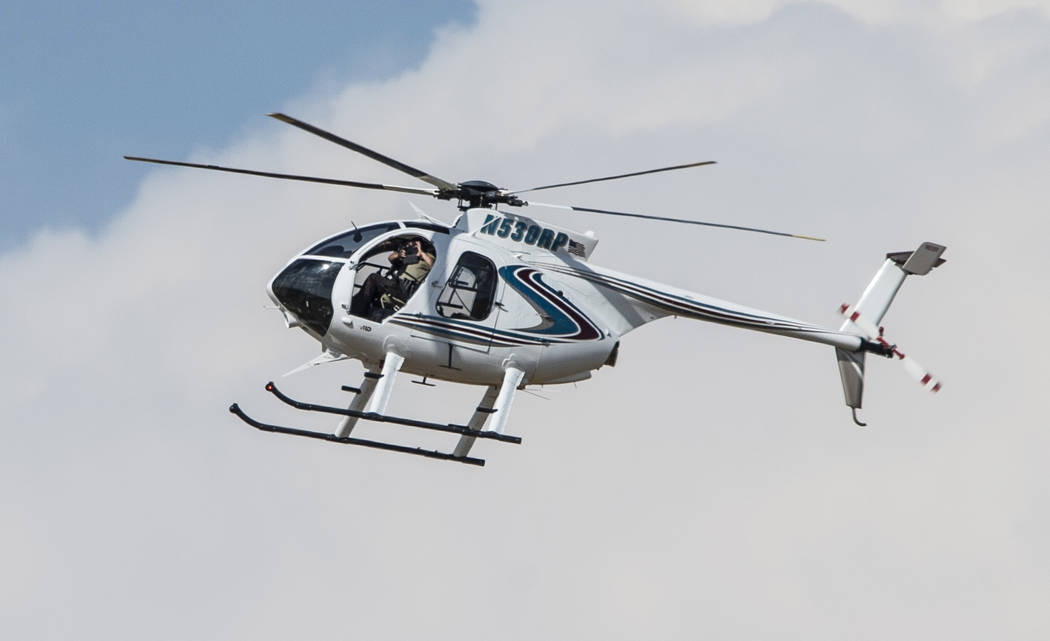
[
  {"x": 504, "y": 290},
  {"x": 505, "y": 301},
  {"x": 482, "y": 306}
]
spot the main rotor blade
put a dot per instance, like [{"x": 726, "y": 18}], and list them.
[
  {"x": 374, "y": 155},
  {"x": 269, "y": 174},
  {"x": 634, "y": 173},
  {"x": 674, "y": 220}
]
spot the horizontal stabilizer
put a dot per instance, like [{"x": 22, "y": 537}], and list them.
[{"x": 920, "y": 261}]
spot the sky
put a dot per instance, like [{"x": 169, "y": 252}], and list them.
[
  {"x": 711, "y": 484},
  {"x": 85, "y": 83}
]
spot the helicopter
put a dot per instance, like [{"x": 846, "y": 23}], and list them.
[{"x": 502, "y": 300}]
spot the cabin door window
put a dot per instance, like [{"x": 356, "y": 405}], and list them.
[{"x": 470, "y": 291}]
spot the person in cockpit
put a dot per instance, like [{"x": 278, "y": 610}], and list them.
[{"x": 381, "y": 294}]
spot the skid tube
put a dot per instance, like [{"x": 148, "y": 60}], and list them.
[
  {"x": 381, "y": 418},
  {"x": 372, "y": 416},
  {"x": 349, "y": 440}
]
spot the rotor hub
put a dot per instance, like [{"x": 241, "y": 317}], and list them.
[{"x": 481, "y": 193}]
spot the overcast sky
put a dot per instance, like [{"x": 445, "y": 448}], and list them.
[{"x": 712, "y": 484}]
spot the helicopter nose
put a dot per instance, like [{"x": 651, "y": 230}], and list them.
[{"x": 304, "y": 289}]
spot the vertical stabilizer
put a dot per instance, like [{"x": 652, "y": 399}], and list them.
[
  {"x": 851, "y": 369},
  {"x": 882, "y": 289}
]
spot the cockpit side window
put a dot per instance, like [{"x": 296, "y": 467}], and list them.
[
  {"x": 470, "y": 290},
  {"x": 344, "y": 244},
  {"x": 389, "y": 274}
]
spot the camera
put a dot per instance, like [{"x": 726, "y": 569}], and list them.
[{"x": 409, "y": 249}]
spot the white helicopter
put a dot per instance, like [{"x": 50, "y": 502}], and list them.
[{"x": 502, "y": 300}]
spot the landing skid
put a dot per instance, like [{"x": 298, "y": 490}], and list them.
[{"x": 462, "y": 430}]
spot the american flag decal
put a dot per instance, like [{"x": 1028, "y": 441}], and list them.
[{"x": 577, "y": 249}]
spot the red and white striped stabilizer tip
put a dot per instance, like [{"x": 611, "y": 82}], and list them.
[{"x": 917, "y": 371}]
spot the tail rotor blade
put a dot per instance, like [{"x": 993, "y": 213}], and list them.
[
  {"x": 673, "y": 220},
  {"x": 919, "y": 373},
  {"x": 911, "y": 366}
]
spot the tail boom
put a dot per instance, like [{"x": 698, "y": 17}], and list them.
[{"x": 644, "y": 300}]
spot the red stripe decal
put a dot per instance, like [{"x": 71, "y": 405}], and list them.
[{"x": 925, "y": 379}]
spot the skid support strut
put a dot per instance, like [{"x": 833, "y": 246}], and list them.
[
  {"x": 391, "y": 365},
  {"x": 511, "y": 379},
  {"x": 477, "y": 420},
  {"x": 364, "y": 394}
]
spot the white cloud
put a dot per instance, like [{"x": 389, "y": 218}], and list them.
[
  {"x": 723, "y": 492},
  {"x": 974, "y": 10},
  {"x": 926, "y": 12}
]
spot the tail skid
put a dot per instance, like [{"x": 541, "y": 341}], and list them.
[{"x": 865, "y": 316}]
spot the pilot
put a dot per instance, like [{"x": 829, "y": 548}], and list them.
[{"x": 409, "y": 266}]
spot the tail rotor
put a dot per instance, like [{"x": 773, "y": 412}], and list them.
[{"x": 864, "y": 318}]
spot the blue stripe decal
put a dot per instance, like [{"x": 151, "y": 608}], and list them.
[
  {"x": 562, "y": 319},
  {"x": 681, "y": 305}
]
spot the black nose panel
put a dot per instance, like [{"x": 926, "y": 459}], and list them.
[{"x": 304, "y": 288}]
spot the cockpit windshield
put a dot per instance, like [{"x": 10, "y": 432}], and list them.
[{"x": 344, "y": 244}]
